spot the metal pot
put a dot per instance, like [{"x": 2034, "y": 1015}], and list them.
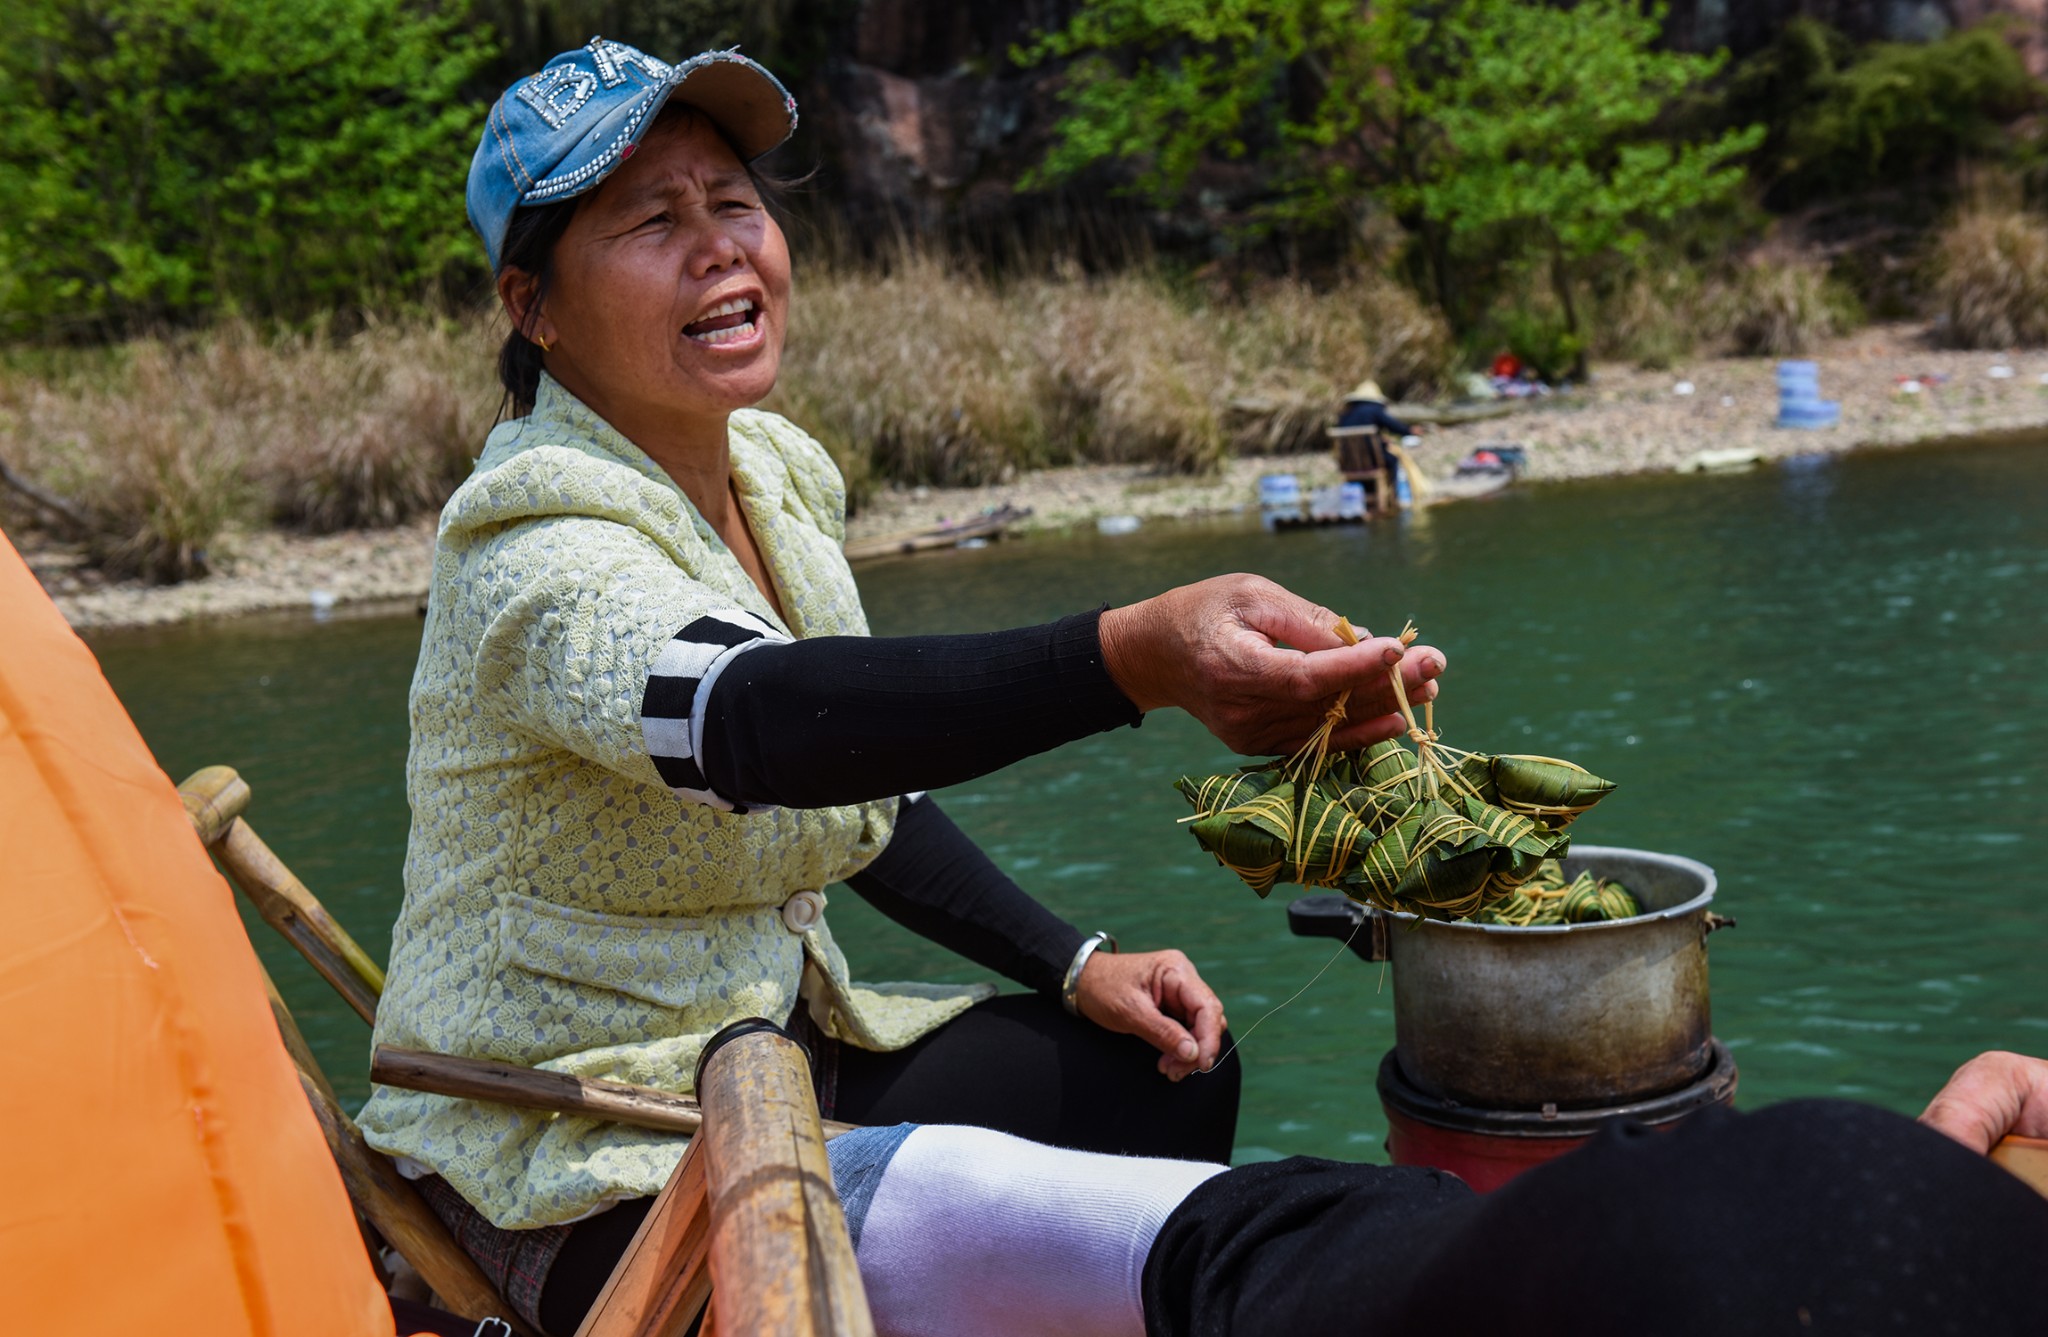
[{"x": 1574, "y": 1016}]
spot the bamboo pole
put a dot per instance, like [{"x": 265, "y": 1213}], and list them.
[
  {"x": 294, "y": 912},
  {"x": 664, "y": 1279},
  {"x": 2026, "y": 1157},
  {"x": 402, "y": 1216},
  {"x": 215, "y": 799},
  {"x": 537, "y": 1089},
  {"x": 781, "y": 1261},
  {"x": 295, "y": 1040}
]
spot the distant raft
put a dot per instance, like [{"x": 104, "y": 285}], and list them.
[{"x": 1438, "y": 832}]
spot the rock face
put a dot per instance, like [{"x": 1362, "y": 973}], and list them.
[
  {"x": 923, "y": 124},
  {"x": 925, "y": 121}
]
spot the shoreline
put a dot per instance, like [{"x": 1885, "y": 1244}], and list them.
[{"x": 1627, "y": 421}]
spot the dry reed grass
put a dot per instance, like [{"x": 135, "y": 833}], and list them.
[
  {"x": 919, "y": 373},
  {"x": 916, "y": 372},
  {"x": 163, "y": 445},
  {"x": 1991, "y": 279},
  {"x": 1653, "y": 314},
  {"x": 1777, "y": 307}
]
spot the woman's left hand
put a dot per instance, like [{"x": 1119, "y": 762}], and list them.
[
  {"x": 1158, "y": 997},
  {"x": 1989, "y": 1097}
]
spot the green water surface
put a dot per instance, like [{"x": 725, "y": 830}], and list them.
[{"x": 1825, "y": 679}]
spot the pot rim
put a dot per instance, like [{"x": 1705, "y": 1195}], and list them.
[{"x": 1677, "y": 862}]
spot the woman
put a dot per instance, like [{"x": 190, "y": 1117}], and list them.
[{"x": 649, "y": 727}]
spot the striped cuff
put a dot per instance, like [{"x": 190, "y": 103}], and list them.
[{"x": 678, "y": 688}]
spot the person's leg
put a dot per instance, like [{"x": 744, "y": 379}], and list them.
[
  {"x": 1019, "y": 1064},
  {"x": 580, "y": 1270},
  {"x": 1808, "y": 1217},
  {"x": 963, "y": 1232}
]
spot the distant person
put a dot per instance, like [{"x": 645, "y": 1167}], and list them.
[
  {"x": 1506, "y": 366},
  {"x": 649, "y": 727},
  {"x": 1360, "y": 437},
  {"x": 1366, "y": 406}
]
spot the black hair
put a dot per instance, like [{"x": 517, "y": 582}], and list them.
[{"x": 529, "y": 245}]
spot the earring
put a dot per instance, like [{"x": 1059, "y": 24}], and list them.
[{"x": 545, "y": 346}]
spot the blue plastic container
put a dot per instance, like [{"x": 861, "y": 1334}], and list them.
[
  {"x": 1799, "y": 401},
  {"x": 1279, "y": 492}
]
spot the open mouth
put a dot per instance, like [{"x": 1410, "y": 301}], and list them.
[{"x": 730, "y": 322}]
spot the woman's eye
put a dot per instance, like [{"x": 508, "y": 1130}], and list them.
[{"x": 652, "y": 221}]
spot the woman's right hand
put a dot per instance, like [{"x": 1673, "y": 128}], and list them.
[{"x": 1259, "y": 666}]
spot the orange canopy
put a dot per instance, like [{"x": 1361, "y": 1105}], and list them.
[{"x": 159, "y": 1168}]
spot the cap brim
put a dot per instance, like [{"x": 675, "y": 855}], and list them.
[{"x": 749, "y": 104}]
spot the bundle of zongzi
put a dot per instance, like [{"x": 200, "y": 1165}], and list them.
[
  {"x": 1547, "y": 898},
  {"x": 1437, "y": 831}
]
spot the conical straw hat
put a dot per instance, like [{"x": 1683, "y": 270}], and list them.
[{"x": 1367, "y": 389}]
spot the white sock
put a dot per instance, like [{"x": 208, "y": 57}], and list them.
[{"x": 974, "y": 1233}]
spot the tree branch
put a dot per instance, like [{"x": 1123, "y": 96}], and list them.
[{"x": 64, "y": 510}]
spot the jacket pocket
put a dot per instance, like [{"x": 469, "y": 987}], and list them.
[{"x": 655, "y": 959}]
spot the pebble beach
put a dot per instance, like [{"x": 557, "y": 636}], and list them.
[{"x": 1893, "y": 390}]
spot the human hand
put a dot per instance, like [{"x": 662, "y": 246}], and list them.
[
  {"x": 1158, "y": 997},
  {"x": 1992, "y": 1096},
  {"x": 1216, "y": 650}
]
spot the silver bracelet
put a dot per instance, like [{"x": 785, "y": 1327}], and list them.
[{"x": 1070, "y": 988}]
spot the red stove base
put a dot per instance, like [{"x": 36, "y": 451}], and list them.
[{"x": 1487, "y": 1148}]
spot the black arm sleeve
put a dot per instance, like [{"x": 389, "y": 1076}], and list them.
[
  {"x": 846, "y": 719},
  {"x": 937, "y": 883}
]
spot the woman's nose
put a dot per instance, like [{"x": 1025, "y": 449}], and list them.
[{"x": 716, "y": 249}]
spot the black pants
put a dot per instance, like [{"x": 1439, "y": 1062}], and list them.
[
  {"x": 1810, "y": 1217},
  {"x": 1018, "y": 1064},
  {"x": 1021, "y": 1065}
]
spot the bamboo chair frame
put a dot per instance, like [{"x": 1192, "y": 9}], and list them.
[
  {"x": 1364, "y": 456},
  {"x": 752, "y": 1198}
]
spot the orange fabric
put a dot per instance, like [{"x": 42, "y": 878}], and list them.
[{"x": 159, "y": 1168}]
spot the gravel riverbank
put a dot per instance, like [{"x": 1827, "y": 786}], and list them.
[{"x": 1626, "y": 421}]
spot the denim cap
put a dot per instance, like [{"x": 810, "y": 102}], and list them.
[{"x": 562, "y": 131}]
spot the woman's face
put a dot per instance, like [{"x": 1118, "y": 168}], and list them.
[{"x": 671, "y": 287}]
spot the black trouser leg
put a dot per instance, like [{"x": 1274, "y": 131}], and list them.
[
  {"x": 1021, "y": 1065},
  {"x": 1811, "y": 1217}
]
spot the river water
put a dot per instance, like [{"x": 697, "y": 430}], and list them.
[{"x": 1829, "y": 680}]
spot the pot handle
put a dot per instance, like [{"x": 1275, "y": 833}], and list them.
[
  {"x": 1713, "y": 923},
  {"x": 1329, "y": 915}
]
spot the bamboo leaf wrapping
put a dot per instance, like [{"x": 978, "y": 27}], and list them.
[
  {"x": 1436, "y": 831},
  {"x": 1546, "y": 788},
  {"x": 1366, "y": 823}
]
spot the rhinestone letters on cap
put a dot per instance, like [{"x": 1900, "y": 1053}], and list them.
[
  {"x": 558, "y": 93},
  {"x": 611, "y": 56}
]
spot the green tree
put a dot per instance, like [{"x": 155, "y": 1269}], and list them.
[
  {"x": 166, "y": 159},
  {"x": 1845, "y": 120},
  {"x": 1508, "y": 125}
]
